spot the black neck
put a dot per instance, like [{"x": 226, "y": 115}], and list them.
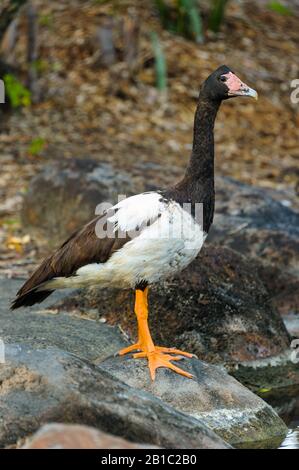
[
  {"x": 201, "y": 164},
  {"x": 197, "y": 186}
]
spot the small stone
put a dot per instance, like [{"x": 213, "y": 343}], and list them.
[{"x": 72, "y": 436}]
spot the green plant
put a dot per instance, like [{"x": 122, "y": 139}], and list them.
[
  {"x": 160, "y": 63},
  {"x": 278, "y": 7},
  {"x": 217, "y": 14},
  {"x": 46, "y": 20},
  {"x": 181, "y": 17},
  {"x": 195, "y": 23},
  {"x": 40, "y": 65},
  {"x": 18, "y": 94},
  {"x": 264, "y": 390},
  {"x": 11, "y": 221},
  {"x": 36, "y": 146},
  {"x": 164, "y": 13}
]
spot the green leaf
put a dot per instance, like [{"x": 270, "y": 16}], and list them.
[
  {"x": 46, "y": 20},
  {"x": 264, "y": 390},
  {"x": 160, "y": 63},
  {"x": 217, "y": 14},
  {"x": 11, "y": 221},
  {"x": 278, "y": 7},
  {"x": 40, "y": 65},
  {"x": 18, "y": 94},
  {"x": 36, "y": 146},
  {"x": 181, "y": 17},
  {"x": 196, "y": 25}
]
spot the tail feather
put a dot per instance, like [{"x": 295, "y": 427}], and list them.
[
  {"x": 82, "y": 248},
  {"x": 31, "y": 292},
  {"x": 30, "y": 298}
]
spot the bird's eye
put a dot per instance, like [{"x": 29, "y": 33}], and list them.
[{"x": 223, "y": 78}]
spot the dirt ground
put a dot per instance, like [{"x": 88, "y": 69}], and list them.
[{"x": 117, "y": 115}]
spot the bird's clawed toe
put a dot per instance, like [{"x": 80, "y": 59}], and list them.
[
  {"x": 129, "y": 349},
  {"x": 174, "y": 351},
  {"x": 158, "y": 359}
]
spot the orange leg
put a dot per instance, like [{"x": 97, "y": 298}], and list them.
[{"x": 155, "y": 354}]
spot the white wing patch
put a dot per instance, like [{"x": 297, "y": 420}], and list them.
[{"x": 136, "y": 211}]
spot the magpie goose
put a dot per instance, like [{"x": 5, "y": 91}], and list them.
[{"x": 145, "y": 238}]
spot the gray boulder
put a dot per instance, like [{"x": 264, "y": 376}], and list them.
[
  {"x": 37, "y": 331},
  {"x": 42, "y": 326},
  {"x": 252, "y": 220},
  {"x": 263, "y": 224},
  {"x": 215, "y": 398},
  {"x": 38, "y": 386}
]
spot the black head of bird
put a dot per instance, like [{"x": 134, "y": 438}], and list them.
[{"x": 223, "y": 83}]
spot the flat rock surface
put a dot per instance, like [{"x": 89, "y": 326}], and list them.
[
  {"x": 38, "y": 386},
  {"x": 217, "y": 399},
  {"x": 42, "y": 327}
]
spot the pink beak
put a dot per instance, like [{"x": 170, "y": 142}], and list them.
[{"x": 238, "y": 88}]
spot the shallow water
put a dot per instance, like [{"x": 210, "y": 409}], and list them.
[
  {"x": 288, "y": 409},
  {"x": 292, "y": 440}
]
